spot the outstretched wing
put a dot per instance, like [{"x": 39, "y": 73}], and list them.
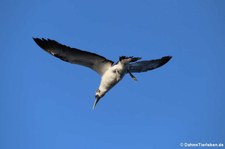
[
  {"x": 143, "y": 66},
  {"x": 75, "y": 56}
]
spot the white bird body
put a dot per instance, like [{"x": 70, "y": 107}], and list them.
[
  {"x": 110, "y": 73},
  {"x": 111, "y": 77}
]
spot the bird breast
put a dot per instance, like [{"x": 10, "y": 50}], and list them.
[{"x": 112, "y": 76}]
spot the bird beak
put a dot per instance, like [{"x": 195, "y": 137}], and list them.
[{"x": 97, "y": 98}]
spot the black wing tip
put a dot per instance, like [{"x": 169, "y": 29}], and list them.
[
  {"x": 40, "y": 42},
  {"x": 39, "y": 39},
  {"x": 36, "y": 39},
  {"x": 44, "y": 43},
  {"x": 166, "y": 58}
]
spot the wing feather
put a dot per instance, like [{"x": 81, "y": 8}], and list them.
[
  {"x": 143, "y": 66},
  {"x": 75, "y": 56}
]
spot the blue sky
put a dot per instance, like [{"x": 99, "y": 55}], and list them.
[{"x": 47, "y": 103}]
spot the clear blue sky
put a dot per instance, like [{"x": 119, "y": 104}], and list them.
[{"x": 47, "y": 103}]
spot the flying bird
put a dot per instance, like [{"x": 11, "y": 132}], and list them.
[{"x": 111, "y": 73}]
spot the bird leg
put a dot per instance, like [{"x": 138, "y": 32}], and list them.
[{"x": 132, "y": 76}]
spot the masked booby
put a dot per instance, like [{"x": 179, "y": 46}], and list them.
[{"x": 111, "y": 73}]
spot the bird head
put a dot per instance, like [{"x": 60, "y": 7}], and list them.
[{"x": 98, "y": 95}]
